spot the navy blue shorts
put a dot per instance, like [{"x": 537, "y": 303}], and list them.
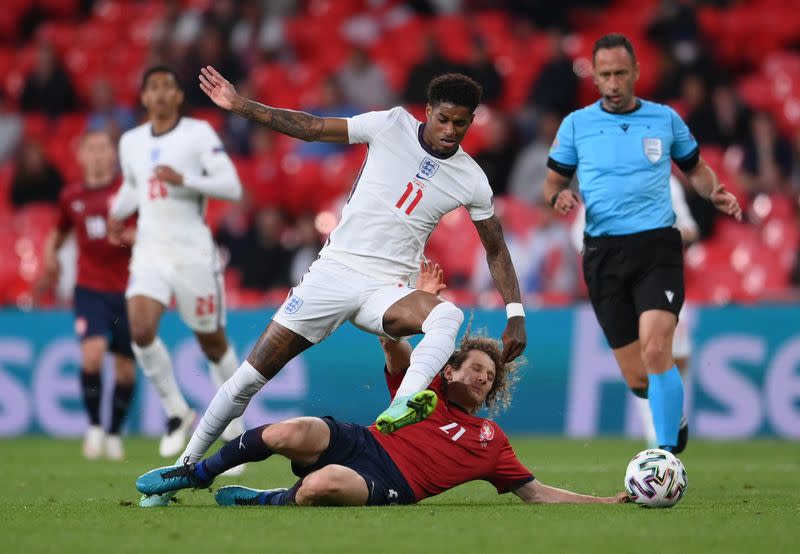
[
  {"x": 103, "y": 314},
  {"x": 353, "y": 446}
]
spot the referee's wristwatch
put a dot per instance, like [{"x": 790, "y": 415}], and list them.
[{"x": 553, "y": 199}]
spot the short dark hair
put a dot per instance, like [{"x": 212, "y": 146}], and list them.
[
  {"x": 455, "y": 88},
  {"x": 505, "y": 374},
  {"x": 161, "y": 69},
  {"x": 613, "y": 40}
]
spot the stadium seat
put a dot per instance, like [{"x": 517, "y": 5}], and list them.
[
  {"x": 69, "y": 127},
  {"x": 213, "y": 116},
  {"x": 453, "y": 35},
  {"x": 518, "y": 217},
  {"x": 299, "y": 193},
  {"x": 36, "y": 126},
  {"x": 453, "y": 244},
  {"x": 60, "y": 34},
  {"x": 60, "y": 8}
]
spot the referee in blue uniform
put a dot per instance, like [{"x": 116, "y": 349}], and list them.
[{"x": 621, "y": 147}]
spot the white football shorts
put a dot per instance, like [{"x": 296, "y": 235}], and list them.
[
  {"x": 332, "y": 293},
  {"x": 196, "y": 285}
]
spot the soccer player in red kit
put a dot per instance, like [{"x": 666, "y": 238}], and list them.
[
  {"x": 101, "y": 322},
  {"x": 346, "y": 464}
]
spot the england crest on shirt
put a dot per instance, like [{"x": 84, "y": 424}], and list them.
[
  {"x": 427, "y": 168},
  {"x": 652, "y": 149}
]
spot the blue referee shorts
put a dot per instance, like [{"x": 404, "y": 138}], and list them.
[
  {"x": 103, "y": 314},
  {"x": 353, "y": 446}
]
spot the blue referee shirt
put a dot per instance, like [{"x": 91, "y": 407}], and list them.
[{"x": 623, "y": 164}]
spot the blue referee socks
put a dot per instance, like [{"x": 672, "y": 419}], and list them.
[{"x": 665, "y": 393}]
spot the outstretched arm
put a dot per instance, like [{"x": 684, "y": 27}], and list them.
[
  {"x": 535, "y": 492},
  {"x": 505, "y": 279},
  {"x": 289, "y": 122}
]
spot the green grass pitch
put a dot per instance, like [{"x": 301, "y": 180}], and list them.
[{"x": 742, "y": 497}]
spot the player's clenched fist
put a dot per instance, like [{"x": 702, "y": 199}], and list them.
[{"x": 564, "y": 201}]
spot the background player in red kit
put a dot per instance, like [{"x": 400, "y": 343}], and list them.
[
  {"x": 99, "y": 302},
  {"x": 347, "y": 464}
]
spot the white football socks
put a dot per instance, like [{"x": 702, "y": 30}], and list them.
[
  {"x": 157, "y": 367},
  {"x": 431, "y": 354},
  {"x": 221, "y": 371},
  {"x": 229, "y": 403}
]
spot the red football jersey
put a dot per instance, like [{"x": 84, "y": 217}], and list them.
[
  {"x": 450, "y": 448},
  {"x": 101, "y": 265}
]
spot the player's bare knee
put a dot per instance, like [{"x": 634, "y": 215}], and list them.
[
  {"x": 656, "y": 355},
  {"x": 324, "y": 485},
  {"x": 636, "y": 381},
  {"x": 92, "y": 356},
  {"x": 124, "y": 371},
  {"x": 214, "y": 350},
  {"x": 142, "y": 335},
  {"x": 286, "y": 437},
  {"x": 214, "y": 345}
]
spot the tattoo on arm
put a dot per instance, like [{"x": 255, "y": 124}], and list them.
[
  {"x": 498, "y": 258},
  {"x": 289, "y": 122}
]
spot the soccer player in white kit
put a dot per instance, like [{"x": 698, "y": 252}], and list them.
[
  {"x": 413, "y": 174},
  {"x": 170, "y": 166}
]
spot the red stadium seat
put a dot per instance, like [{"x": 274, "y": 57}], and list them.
[
  {"x": 214, "y": 116},
  {"x": 69, "y": 127},
  {"x": 518, "y": 217},
  {"x": 60, "y": 34},
  {"x": 302, "y": 183},
  {"x": 454, "y": 244},
  {"x": 453, "y": 35},
  {"x": 60, "y": 8},
  {"x": 36, "y": 126}
]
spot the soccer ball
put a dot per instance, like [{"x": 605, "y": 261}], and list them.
[{"x": 655, "y": 478}]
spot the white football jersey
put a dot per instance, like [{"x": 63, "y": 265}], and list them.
[
  {"x": 171, "y": 218},
  {"x": 402, "y": 192}
]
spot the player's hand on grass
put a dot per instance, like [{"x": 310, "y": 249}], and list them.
[
  {"x": 566, "y": 201},
  {"x": 166, "y": 174},
  {"x": 725, "y": 202},
  {"x": 431, "y": 278},
  {"x": 619, "y": 498},
  {"x": 221, "y": 92},
  {"x": 514, "y": 339}
]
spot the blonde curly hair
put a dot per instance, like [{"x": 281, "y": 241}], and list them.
[{"x": 506, "y": 374}]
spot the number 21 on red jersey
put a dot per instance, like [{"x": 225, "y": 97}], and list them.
[{"x": 451, "y": 426}]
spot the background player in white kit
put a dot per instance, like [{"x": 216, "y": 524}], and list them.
[
  {"x": 170, "y": 165},
  {"x": 413, "y": 174},
  {"x": 681, "y": 341}
]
